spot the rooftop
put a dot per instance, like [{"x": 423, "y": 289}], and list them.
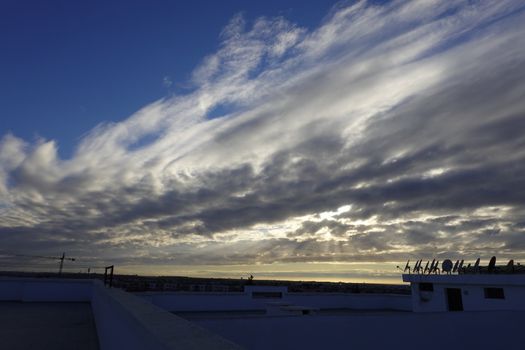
[
  {"x": 262, "y": 317},
  {"x": 83, "y": 314},
  {"x": 47, "y": 325},
  {"x": 371, "y": 329}
]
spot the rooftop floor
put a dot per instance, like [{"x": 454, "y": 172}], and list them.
[
  {"x": 372, "y": 330},
  {"x": 47, "y": 325}
]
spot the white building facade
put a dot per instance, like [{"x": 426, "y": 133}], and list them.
[{"x": 467, "y": 292}]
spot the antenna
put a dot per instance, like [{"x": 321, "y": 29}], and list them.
[
  {"x": 407, "y": 267},
  {"x": 431, "y": 268},
  {"x": 460, "y": 267},
  {"x": 455, "y": 268},
  {"x": 419, "y": 265},
  {"x": 426, "y": 267},
  {"x": 446, "y": 266},
  {"x": 416, "y": 267}
]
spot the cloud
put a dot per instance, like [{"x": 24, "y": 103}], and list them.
[
  {"x": 167, "y": 82},
  {"x": 407, "y": 114}
]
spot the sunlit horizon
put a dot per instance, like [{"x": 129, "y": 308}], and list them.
[{"x": 274, "y": 139}]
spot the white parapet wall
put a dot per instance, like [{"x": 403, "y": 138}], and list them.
[
  {"x": 352, "y": 301},
  {"x": 122, "y": 320},
  {"x": 127, "y": 322},
  {"x": 257, "y": 298},
  {"x": 45, "y": 290},
  {"x": 201, "y": 301}
]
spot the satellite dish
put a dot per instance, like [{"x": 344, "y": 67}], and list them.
[{"x": 447, "y": 265}]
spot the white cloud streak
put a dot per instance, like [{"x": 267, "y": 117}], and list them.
[{"x": 358, "y": 112}]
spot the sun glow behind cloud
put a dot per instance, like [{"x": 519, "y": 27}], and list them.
[{"x": 388, "y": 131}]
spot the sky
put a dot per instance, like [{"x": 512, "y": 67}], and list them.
[{"x": 284, "y": 139}]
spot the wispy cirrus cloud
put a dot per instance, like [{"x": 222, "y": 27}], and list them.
[{"x": 407, "y": 114}]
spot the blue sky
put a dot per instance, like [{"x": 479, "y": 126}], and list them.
[
  {"x": 83, "y": 63},
  {"x": 286, "y": 139}
]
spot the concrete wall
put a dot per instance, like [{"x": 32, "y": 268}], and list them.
[
  {"x": 201, "y": 301},
  {"x": 434, "y": 301},
  {"x": 213, "y": 301},
  {"x": 126, "y": 322},
  {"x": 31, "y": 289},
  {"x": 271, "y": 289},
  {"x": 473, "y": 297},
  {"x": 183, "y": 301},
  {"x": 352, "y": 301}
]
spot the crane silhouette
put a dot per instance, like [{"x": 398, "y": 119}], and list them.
[{"x": 61, "y": 258}]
